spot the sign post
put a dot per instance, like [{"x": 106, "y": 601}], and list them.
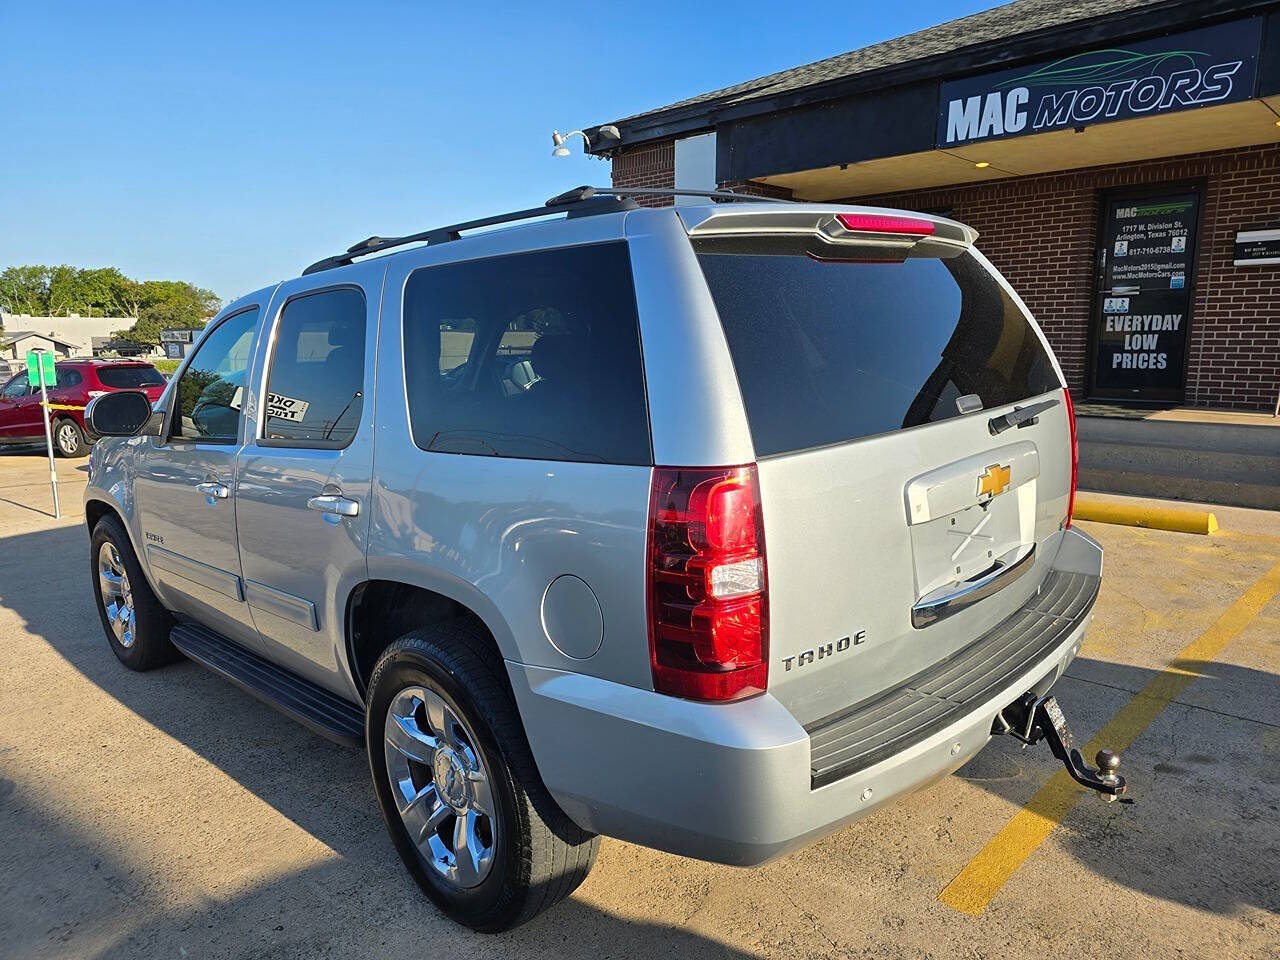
[{"x": 41, "y": 371}]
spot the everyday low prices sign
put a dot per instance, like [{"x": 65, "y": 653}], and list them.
[
  {"x": 1148, "y": 259},
  {"x": 1198, "y": 68}
]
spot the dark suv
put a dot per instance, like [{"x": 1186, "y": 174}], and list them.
[{"x": 79, "y": 381}]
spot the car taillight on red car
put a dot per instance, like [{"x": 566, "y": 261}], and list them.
[
  {"x": 708, "y": 590},
  {"x": 1075, "y": 455}
]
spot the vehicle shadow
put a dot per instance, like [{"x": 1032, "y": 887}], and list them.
[
  {"x": 45, "y": 578},
  {"x": 1206, "y": 781},
  {"x": 112, "y": 909},
  {"x": 1204, "y": 777}
]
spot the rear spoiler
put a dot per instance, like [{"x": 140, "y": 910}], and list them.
[{"x": 838, "y": 231}]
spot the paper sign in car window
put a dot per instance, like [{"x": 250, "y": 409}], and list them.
[{"x": 281, "y": 407}]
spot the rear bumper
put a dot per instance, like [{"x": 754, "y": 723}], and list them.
[{"x": 744, "y": 782}]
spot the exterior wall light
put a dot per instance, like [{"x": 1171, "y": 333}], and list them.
[{"x": 607, "y": 132}]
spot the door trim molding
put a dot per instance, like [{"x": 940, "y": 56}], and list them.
[
  {"x": 211, "y": 578},
  {"x": 283, "y": 605}
]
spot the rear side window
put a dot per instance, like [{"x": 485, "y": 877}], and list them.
[
  {"x": 69, "y": 378},
  {"x": 828, "y": 352},
  {"x": 535, "y": 355},
  {"x": 315, "y": 389},
  {"x": 124, "y": 378}
]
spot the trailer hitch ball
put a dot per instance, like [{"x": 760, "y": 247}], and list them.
[
  {"x": 1108, "y": 762},
  {"x": 1033, "y": 718}
]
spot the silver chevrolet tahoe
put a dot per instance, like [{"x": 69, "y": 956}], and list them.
[{"x": 709, "y": 527}]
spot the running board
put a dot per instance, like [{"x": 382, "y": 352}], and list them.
[{"x": 327, "y": 714}]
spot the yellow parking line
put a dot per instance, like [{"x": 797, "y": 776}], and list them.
[{"x": 981, "y": 879}]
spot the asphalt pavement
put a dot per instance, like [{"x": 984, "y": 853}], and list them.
[{"x": 171, "y": 815}]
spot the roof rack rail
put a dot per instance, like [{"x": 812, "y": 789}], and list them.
[
  {"x": 585, "y": 207},
  {"x": 579, "y": 202},
  {"x": 585, "y": 193}
]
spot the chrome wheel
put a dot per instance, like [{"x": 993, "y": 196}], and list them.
[
  {"x": 117, "y": 597},
  {"x": 441, "y": 786},
  {"x": 68, "y": 437}
]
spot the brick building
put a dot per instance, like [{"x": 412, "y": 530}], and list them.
[{"x": 1121, "y": 161}]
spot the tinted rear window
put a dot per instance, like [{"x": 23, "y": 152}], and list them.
[
  {"x": 124, "y": 378},
  {"x": 535, "y": 355},
  {"x": 828, "y": 352}
]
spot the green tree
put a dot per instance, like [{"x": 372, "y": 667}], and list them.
[
  {"x": 43, "y": 291},
  {"x": 105, "y": 291},
  {"x": 65, "y": 294},
  {"x": 25, "y": 290},
  {"x": 169, "y": 305}
]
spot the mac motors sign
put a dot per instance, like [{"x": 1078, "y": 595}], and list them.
[{"x": 1194, "y": 69}]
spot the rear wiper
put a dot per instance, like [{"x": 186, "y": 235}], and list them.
[{"x": 1019, "y": 417}]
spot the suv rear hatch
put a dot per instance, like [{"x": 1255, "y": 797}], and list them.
[
  {"x": 132, "y": 376},
  {"x": 876, "y": 353}
]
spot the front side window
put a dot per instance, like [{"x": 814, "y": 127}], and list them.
[
  {"x": 533, "y": 355},
  {"x": 17, "y": 387},
  {"x": 315, "y": 389},
  {"x": 210, "y": 392}
]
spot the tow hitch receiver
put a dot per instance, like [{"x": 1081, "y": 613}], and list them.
[{"x": 1032, "y": 719}]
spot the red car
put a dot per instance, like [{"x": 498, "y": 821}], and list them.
[{"x": 79, "y": 381}]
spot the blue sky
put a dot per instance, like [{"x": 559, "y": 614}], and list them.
[{"x": 231, "y": 144}]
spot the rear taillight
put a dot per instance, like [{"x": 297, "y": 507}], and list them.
[
  {"x": 708, "y": 592},
  {"x": 886, "y": 223},
  {"x": 1075, "y": 455}
]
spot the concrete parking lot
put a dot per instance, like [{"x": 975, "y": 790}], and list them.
[{"x": 171, "y": 815}]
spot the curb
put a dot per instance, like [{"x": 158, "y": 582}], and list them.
[{"x": 1144, "y": 515}]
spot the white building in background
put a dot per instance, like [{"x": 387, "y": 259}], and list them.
[
  {"x": 14, "y": 344},
  {"x": 79, "y": 336}
]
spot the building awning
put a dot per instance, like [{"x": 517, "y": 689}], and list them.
[{"x": 1124, "y": 141}]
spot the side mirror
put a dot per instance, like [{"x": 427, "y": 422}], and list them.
[{"x": 121, "y": 414}]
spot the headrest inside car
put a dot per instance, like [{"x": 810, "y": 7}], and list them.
[{"x": 558, "y": 356}]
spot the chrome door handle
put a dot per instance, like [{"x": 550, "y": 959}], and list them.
[
  {"x": 331, "y": 503},
  {"x": 212, "y": 488}
]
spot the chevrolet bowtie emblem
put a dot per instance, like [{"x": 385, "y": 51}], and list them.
[{"x": 993, "y": 480}]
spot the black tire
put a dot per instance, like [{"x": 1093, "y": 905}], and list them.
[
  {"x": 540, "y": 856},
  {"x": 68, "y": 439},
  {"x": 149, "y": 646}
]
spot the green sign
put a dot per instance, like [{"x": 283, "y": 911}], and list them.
[{"x": 40, "y": 366}]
